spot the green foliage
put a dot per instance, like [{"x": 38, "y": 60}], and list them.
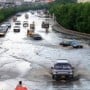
[
  {"x": 73, "y": 16},
  {"x": 7, "y": 12}
]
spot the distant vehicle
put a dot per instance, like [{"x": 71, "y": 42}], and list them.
[
  {"x": 18, "y": 14},
  {"x": 32, "y": 26},
  {"x": 25, "y": 24},
  {"x": 8, "y": 24},
  {"x": 16, "y": 28},
  {"x": 3, "y": 30},
  {"x": 76, "y": 44},
  {"x": 26, "y": 16},
  {"x": 45, "y": 25},
  {"x": 14, "y": 18},
  {"x": 32, "y": 12},
  {"x": 17, "y": 23},
  {"x": 62, "y": 70}
]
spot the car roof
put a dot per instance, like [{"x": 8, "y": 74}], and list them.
[
  {"x": 62, "y": 61},
  {"x": 25, "y": 21},
  {"x": 16, "y": 26},
  {"x": 17, "y": 21},
  {"x": 4, "y": 25}
]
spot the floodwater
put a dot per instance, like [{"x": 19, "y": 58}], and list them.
[{"x": 22, "y": 58}]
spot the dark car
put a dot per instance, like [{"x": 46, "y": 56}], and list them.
[
  {"x": 16, "y": 28},
  {"x": 45, "y": 25},
  {"x": 36, "y": 37},
  {"x": 76, "y": 44},
  {"x": 3, "y": 30},
  {"x": 62, "y": 70},
  {"x": 65, "y": 43}
]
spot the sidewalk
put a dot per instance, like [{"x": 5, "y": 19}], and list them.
[{"x": 61, "y": 29}]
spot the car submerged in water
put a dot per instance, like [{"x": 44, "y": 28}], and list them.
[
  {"x": 63, "y": 70},
  {"x": 36, "y": 37},
  {"x": 3, "y": 29},
  {"x": 65, "y": 43},
  {"x": 74, "y": 44}
]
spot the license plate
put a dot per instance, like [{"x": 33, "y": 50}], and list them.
[{"x": 63, "y": 76}]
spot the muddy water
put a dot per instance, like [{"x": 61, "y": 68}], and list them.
[{"x": 22, "y": 58}]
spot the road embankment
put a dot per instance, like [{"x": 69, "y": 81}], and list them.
[{"x": 61, "y": 29}]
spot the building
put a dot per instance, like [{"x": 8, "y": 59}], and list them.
[
  {"x": 44, "y": 1},
  {"x": 7, "y": 1},
  {"x": 18, "y": 2},
  {"x": 83, "y": 1}
]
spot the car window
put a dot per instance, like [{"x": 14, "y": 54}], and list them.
[{"x": 62, "y": 66}]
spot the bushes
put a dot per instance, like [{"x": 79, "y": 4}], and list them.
[
  {"x": 7, "y": 12},
  {"x": 73, "y": 16}
]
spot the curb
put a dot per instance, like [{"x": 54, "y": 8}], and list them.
[{"x": 61, "y": 29}]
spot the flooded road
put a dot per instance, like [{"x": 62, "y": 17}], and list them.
[{"x": 22, "y": 58}]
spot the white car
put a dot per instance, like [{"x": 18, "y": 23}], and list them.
[
  {"x": 62, "y": 69},
  {"x": 16, "y": 28},
  {"x": 17, "y": 23}
]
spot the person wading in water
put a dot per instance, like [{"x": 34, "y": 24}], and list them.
[{"x": 20, "y": 86}]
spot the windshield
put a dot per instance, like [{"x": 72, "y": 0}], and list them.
[{"x": 62, "y": 66}]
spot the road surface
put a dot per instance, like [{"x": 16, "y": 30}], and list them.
[{"x": 22, "y": 58}]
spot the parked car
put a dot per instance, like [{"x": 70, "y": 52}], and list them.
[
  {"x": 16, "y": 28},
  {"x": 8, "y": 24},
  {"x": 62, "y": 70},
  {"x": 25, "y": 24},
  {"x": 3, "y": 30},
  {"x": 76, "y": 44},
  {"x": 17, "y": 23}
]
